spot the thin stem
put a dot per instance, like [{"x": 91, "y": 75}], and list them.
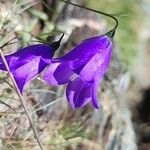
[
  {"x": 96, "y": 11},
  {"x": 8, "y": 42},
  {"x": 21, "y": 99},
  {"x": 7, "y": 105}
]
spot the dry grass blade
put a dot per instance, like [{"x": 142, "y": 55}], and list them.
[
  {"x": 48, "y": 105},
  {"x": 7, "y": 105}
]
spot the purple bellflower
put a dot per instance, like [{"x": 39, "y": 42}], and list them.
[
  {"x": 82, "y": 68},
  {"x": 28, "y": 62}
]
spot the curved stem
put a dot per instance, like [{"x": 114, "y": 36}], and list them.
[{"x": 96, "y": 11}]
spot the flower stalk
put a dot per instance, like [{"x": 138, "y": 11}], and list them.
[{"x": 110, "y": 32}]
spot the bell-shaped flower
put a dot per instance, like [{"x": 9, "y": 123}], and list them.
[
  {"x": 82, "y": 68},
  {"x": 28, "y": 62}
]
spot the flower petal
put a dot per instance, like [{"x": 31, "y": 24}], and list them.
[
  {"x": 98, "y": 64},
  {"x": 25, "y": 55},
  {"x": 86, "y": 48},
  {"x": 58, "y": 73},
  {"x": 27, "y": 72},
  {"x": 82, "y": 53},
  {"x": 78, "y": 93},
  {"x": 28, "y": 62},
  {"x": 94, "y": 95},
  {"x": 2, "y": 66}
]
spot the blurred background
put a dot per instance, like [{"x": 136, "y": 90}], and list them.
[{"x": 123, "y": 120}]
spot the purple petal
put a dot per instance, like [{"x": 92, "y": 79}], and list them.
[
  {"x": 88, "y": 57},
  {"x": 2, "y": 66},
  {"x": 97, "y": 64},
  {"x": 58, "y": 73},
  {"x": 78, "y": 93},
  {"x": 94, "y": 92},
  {"x": 25, "y": 55},
  {"x": 87, "y": 48},
  {"x": 28, "y": 62},
  {"x": 27, "y": 71}
]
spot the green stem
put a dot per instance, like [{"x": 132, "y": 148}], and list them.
[{"x": 112, "y": 31}]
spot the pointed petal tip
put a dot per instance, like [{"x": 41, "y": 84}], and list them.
[
  {"x": 20, "y": 85},
  {"x": 97, "y": 107}
]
